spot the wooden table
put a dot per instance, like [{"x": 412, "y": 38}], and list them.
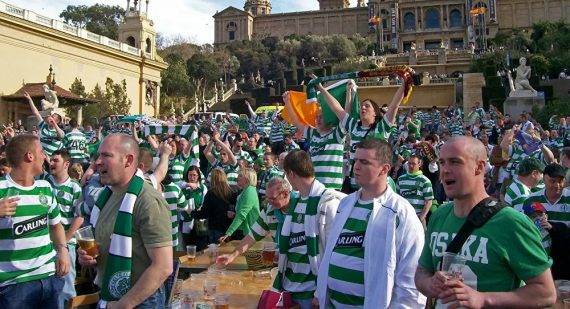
[{"x": 243, "y": 286}]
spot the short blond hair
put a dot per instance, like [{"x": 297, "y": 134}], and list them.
[{"x": 250, "y": 175}]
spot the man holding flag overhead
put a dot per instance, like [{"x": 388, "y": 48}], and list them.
[{"x": 130, "y": 268}]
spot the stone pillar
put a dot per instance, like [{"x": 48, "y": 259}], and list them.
[
  {"x": 473, "y": 84},
  {"x": 157, "y": 101}
]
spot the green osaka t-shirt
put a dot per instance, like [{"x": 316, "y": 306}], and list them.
[{"x": 500, "y": 255}]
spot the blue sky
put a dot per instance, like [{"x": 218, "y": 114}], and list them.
[{"x": 190, "y": 19}]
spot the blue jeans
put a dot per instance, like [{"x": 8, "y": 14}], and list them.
[
  {"x": 42, "y": 293},
  {"x": 69, "y": 286},
  {"x": 304, "y": 303},
  {"x": 155, "y": 301}
]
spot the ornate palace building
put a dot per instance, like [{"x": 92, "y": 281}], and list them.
[{"x": 428, "y": 24}]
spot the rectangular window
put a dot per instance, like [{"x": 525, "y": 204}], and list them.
[{"x": 232, "y": 35}]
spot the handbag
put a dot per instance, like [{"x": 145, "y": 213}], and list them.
[
  {"x": 201, "y": 227},
  {"x": 271, "y": 299}
]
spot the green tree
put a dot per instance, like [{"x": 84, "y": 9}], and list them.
[
  {"x": 78, "y": 89},
  {"x": 99, "y": 18},
  {"x": 540, "y": 65},
  {"x": 340, "y": 47},
  {"x": 175, "y": 80},
  {"x": 112, "y": 101}
]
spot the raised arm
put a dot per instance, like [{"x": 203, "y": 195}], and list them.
[
  {"x": 33, "y": 108},
  {"x": 135, "y": 134},
  {"x": 58, "y": 130},
  {"x": 548, "y": 155},
  {"x": 162, "y": 168},
  {"x": 350, "y": 91},
  {"x": 294, "y": 118},
  {"x": 252, "y": 114},
  {"x": 208, "y": 151},
  {"x": 331, "y": 101},
  {"x": 225, "y": 148},
  {"x": 395, "y": 104}
]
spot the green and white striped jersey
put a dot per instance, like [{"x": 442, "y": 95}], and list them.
[
  {"x": 353, "y": 127},
  {"x": 266, "y": 176},
  {"x": 456, "y": 128},
  {"x": 558, "y": 211},
  {"x": 231, "y": 172},
  {"x": 517, "y": 193},
  {"x": 416, "y": 188},
  {"x": 26, "y": 250},
  {"x": 298, "y": 277},
  {"x": 176, "y": 168},
  {"x": 263, "y": 124},
  {"x": 346, "y": 269},
  {"x": 276, "y": 132},
  {"x": 243, "y": 155},
  {"x": 76, "y": 144},
  {"x": 70, "y": 201},
  {"x": 177, "y": 202},
  {"x": 516, "y": 155},
  {"x": 327, "y": 153},
  {"x": 48, "y": 138},
  {"x": 266, "y": 224}
]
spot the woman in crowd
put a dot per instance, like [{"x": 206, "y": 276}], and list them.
[
  {"x": 247, "y": 207},
  {"x": 217, "y": 206},
  {"x": 194, "y": 190}
]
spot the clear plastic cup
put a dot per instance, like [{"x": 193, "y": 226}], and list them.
[
  {"x": 452, "y": 265},
  {"x": 210, "y": 288},
  {"x": 86, "y": 240},
  {"x": 221, "y": 301},
  {"x": 191, "y": 252}
]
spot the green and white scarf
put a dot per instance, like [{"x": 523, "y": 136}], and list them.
[
  {"x": 117, "y": 279},
  {"x": 182, "y": 130},
  {"x": 311, "y": 233}
]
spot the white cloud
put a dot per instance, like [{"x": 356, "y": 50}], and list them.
[{"x": 187, "y": 18}]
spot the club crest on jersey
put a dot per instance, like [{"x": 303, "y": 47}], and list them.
[
  {"x": 29, "y": 226},
  {"x": 350, "y": 240}
]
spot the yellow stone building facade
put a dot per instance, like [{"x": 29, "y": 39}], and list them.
[
  {"x": 30, "y": 43},
  {"x": 425, "y": 23}
]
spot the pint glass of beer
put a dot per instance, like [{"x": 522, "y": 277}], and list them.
[
  {"x": 269, "y": 251},
  {"x": 86, "y": 241}
]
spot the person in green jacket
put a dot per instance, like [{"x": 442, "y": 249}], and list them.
[{"x": 247, "y": 206}]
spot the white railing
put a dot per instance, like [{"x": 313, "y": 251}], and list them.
[
  {"x": 61, "y": 26},
  {"x": 208, "y": 104}
]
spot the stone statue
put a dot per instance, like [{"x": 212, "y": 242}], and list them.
[
  {"x": 521, "y": 86},
  {"x": 51, "y": 102}
]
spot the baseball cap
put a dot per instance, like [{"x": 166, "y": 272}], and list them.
[
  {"x": 528, "y": 165},
  {"x": 555, "y": 170},
  {"x": 532, "y": 208}
]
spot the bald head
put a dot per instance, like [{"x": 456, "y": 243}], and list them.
[
  {"x": 472, "y": 147},
  {"x": 124, "y": 144}
]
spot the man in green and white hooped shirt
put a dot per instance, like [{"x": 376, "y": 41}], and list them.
[
  {"x": 269, "y": 221},
  {"x": 227, "y": 160},
  {"x": 239, "y": 153},
  {"x": 48, "y": 130},
  {"x": 326, "y": 147},
  {"x": 375, "y": 241},
  {"x": 506, "y": 265},
  {"x": 529, "y": 178},
  {"x": 271, "y": 170},
  {"x": 69, "y": 200},
  {"x": 554, "y": 197},
  {"x": 416, "y": 188},
  {"x": 75, "y": 143},
  {"x": 132, "y": 229},
  {"x": 304, "y": 231},
  {"x": 33, "y": 248},
  {"x": 176, "y": 202},
  {"x": 373, "y": 123}
]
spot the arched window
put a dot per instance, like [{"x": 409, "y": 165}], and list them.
[
  {"x": 131, "y": 41},
  {"x": 432, "y": 19},
  {"x": 231, "y": 28},
  {"x": 409, "y": 21},
  {"x": 455, "y": 18},
  {"x": 148, "y": 45}
]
